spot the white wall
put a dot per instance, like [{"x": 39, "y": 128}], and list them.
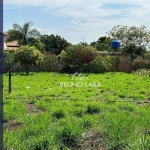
[{"x": 4, "y": 40}]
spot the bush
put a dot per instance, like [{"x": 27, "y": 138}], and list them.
[
  {"x": 147, "y": 55},
  {"x": 8, "y": 60},
  {"x": 115, "y": 61},
  {"x": 87, "y": 122},
  {"x": 119, "y": 130},
  {"x": 68, "y": 134},
  {"x": 40, "y": 143},
  {"x": 99, "y": 65},
  {"x": 78, "y": 112},
  {"x": 140, "y": 63},
  {"x": 74, "y": 57},
  {"x": 58, "y": 114},
  {"x": 49, "y": 63},
  {"x": 92, "y": 109}
]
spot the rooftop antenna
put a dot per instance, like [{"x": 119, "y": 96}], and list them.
[{"x": 83, "y": 40}]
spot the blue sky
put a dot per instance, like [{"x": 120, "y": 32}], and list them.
[{"x": 76, "y": 19}]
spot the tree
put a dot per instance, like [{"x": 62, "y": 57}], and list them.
[
  {"x": 13, "y": 35},
  {"x": 54, "y": 43},
  {"x": 38, "y": 44},
  {"x": 102, "y": 44},
  {"x": 103, "y": 47},
  {"x": 93, "y": 44},
  {"x": 134, "y": 50},
  {"x": 100, "y": 64},
  {"x": 105, "y": 40},
  {"x": 27, "y": 56},
  {"x": 138, "y": 36},
  {"x": 74, "y": 57},
  {"x": 50, "y": 63},
  {"x": 22, "y": 33}
]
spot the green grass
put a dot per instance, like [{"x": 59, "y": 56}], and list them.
[{"x": 40, "y": 114}]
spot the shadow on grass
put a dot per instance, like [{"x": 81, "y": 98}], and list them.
[{"x": 21, "y": 74}]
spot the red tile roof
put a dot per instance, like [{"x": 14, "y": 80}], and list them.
[{"x": 12, "y": 44}]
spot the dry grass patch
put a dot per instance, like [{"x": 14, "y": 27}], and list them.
[
  {"x": 92, "y": 140},
  {"x": 32, "y": 109}
]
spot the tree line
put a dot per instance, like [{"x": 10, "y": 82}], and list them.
[
  {"x": 33, "y": 45},
  {"x": 134, "y": 40}
]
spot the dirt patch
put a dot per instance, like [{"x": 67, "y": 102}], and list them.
[
  {"x": 32, "y": 109},
  {"x": 12, "y": 125},
  {"x": 92, "y": 140},
  {"x": 143, "y": 103},
  {"x": 148, "y": 100}
]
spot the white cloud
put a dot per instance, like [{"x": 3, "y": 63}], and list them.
[
  {"x": 11, "y": 7},
  {"x": 91, "y": 18},
  {"x": 39, "y": 29}
]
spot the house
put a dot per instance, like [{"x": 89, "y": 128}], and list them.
[{"x": 9, "y": 46}]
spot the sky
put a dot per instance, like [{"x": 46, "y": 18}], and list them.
[{"x": 76, "y": 20}]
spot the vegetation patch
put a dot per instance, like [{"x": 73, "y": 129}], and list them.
[
  {"x": 51, "y": 122},
  {"x": 69, "y": 135},
  {"x": 12, "y": 125},
  {"x": 58, "y": 114},
  {"x": 91, "y": 109}
]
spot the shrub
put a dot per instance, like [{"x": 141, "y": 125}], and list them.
[
  {"x": 78, "y": 112},
  {"x": 49, "y": 63},
  {"x": 87, "y": 122},
  {"x": 140, "y": 63},
  {"x": 8, "y": 61},
  {"x": 119, "y": 128},
  {"x": 27, "y": 56},
  {"x": 134, "y": 50},
  {"x": 99, "y": 65},
  {"x": 40, "y": 143},
  {"x": 92, "y": 109},
  {"x": 58, "y": 114},
  {"x": 68, "y": 134},
  {"x": 115, "y": 61},
  {"x": 73, "y": 57},
  {"x": 147, "y": 55}
]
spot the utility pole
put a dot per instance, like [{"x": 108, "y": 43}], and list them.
[
  {"x": 83, "y": 41},
  {"x": 10, "y": 71},
  {"x": 9, "y": 79}
]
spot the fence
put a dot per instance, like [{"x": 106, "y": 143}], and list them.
[{"x": 142, "y": 72}]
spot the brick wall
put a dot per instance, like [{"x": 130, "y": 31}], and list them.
[{"x": 125, "y": 62}]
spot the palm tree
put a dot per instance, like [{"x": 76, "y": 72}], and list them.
[{"x": 23, "y": 33}]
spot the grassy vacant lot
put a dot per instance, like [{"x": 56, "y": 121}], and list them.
[{"x": 50, "y": 111}]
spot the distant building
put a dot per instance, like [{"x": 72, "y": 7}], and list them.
[
  {"x": 13, "y": 45},
  {"x": 10, "y": 46}
]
